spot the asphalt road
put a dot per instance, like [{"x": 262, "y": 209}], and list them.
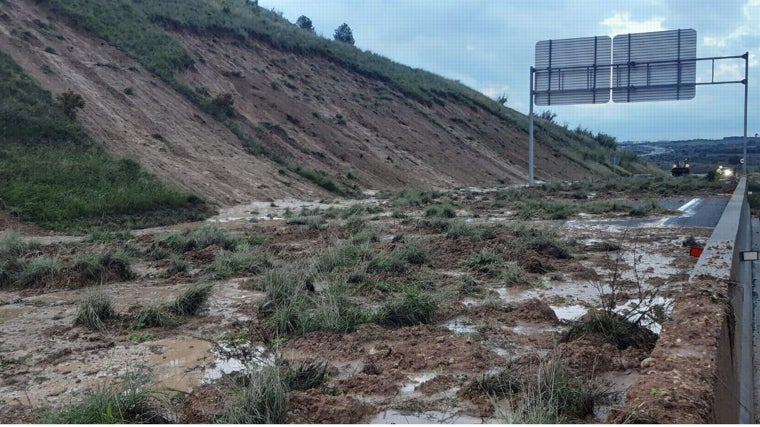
[{"x": 695, "y": 213}]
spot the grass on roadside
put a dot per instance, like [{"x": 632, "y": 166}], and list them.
[
  {"x": 96, "y": 307},
  {"x": 130, "y": 401},
  {"x": 259, "y": 397}
]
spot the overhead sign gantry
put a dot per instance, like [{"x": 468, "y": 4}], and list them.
[{"x": 654, "y": 66}]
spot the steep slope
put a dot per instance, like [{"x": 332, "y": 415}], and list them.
[
  {"x": 307, "y": 112},
  {"x": 155, "y": 125}
]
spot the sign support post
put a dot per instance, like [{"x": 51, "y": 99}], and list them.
[{"x": 531, "y": 179}]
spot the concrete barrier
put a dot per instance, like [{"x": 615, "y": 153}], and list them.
[{"x": 701, "y": 369}]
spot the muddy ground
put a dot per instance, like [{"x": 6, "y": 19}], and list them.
[{"x": 483, "y": 324}]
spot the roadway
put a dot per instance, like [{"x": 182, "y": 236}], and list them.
[{"x": 694, "y": 213}]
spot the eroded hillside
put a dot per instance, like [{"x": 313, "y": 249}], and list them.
[{"x": 308, "y": 112}]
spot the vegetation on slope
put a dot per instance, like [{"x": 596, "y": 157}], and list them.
[
  {"x": 137, "y": 28},
  {"x": 53, "y": 175}
]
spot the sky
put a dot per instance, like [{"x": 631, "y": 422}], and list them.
[{"x": 489, "y": 45}]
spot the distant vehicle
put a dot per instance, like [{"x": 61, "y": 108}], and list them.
[
  {"x": 725, "y": 173},
  {"x": 680, "y": 168}
]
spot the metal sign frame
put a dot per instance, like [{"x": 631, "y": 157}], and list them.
[{"x": 592, "y": 89}]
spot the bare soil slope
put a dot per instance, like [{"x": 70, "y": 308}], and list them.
[{"x": 322, "y": 116}]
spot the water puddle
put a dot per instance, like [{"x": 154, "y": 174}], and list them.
[
  {"x": 392, "y": 416},
  {"x": 416, "y": 381},
  {"x": 178, "y": 364},
  {"x": 461, "y": 325},
  {"x": 617, "y": 385},
  {"x": 649, "y": 311},
  {"x": 569, "y": 313},
  {"x": 235, "y": 357}
]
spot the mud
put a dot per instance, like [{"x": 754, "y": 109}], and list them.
[{"x": 377, "y": 375}]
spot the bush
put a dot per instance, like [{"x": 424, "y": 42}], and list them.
[
  {"x": 262, "y": 399},
  {"x": 342, "y": 256},
  {"x": 410, "y": 309},
  {"x": 441, "y": 211},
  {"x": 243, "y": 260},
  {"x": 128, "y": 402},
  {"x": 202, "y": 238},
  {"x": 38, "y": 271},
  {"x": 306, "y": 375},
  {"x": 614, "y": 329},
  {"x": 71, "y": 102},
  {"x": 155, "y": 316},
  {"x": 192, "y": 300},
  {"x": 96, "y": 307}
]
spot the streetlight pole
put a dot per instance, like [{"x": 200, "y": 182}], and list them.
[{"x": 746, "y": 92}]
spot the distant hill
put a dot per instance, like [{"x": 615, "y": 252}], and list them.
[
  {"x": 703, "y": 154},
  {"x": 231, "y": 102}
]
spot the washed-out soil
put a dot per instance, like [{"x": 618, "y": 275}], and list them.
[{"x": 375, "y": 373}]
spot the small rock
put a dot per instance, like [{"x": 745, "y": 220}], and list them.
[
  {"x": 440, "y": 339},
  {"x": 649, "y": 362}
]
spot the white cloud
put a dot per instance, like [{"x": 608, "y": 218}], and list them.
[
  {"x": 748, "y": 27},
  {"x": 621, "y": 23}
]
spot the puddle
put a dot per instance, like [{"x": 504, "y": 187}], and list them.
[
  {"x": 392, "y": 416},
  {"x": 617, "y": 384},
  {"x": 461, "y": 325},
  {"x": 416, "y": 381},
  {"x": 569, "y": 313},
  {"x": 236, "y": 357},
  {"x": 178, "y": 364},
  {"x": 648, "y": 311}
]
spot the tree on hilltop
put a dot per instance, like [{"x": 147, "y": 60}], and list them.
[
  {"x": 305, "y": 23},
  {"x": 344, "y": 34}
]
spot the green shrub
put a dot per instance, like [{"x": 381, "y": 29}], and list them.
[
  {"x": 155, "y": 316},
  {"x": 176, "y": 265},
  {"x": 192, "y": 300},
  {"x": 485, "y": 257},
  {"x": 306, "y": 375},
  {"x": 38, "y": 271},
  {"x": 201, "y": 238},
  {"x": 96, "y": 307},
  {"x": 614, "y": 329},
  {"x": 410, "y": 309},
  {"x": 131, "y": 401},
  {"x": 261, "y": 399},
  {"x": 460, "y": 229},
  {"x": 385, "y": 262},
  {"x": 514, "y": 275},
  {"x": 441, "y": 211},
  {"x": 243, "y": 260},
  {"x": 342, "y": 256},
  {"x": 413, "y": 254}
]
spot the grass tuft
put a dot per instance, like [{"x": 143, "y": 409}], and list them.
[
  {"x": 614, "y": 328},
  {"x": 96, "y": 307},
  {"x": 192, "y": 300},
  {"x": 130, "y": 401},
  {"x": 261, "y": 399},
  {"x": 412, "y": 308}
]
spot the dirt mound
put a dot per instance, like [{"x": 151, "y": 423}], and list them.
[
  {"x": 313, "y": 407},
  {"x": 535, "y": 310}
]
